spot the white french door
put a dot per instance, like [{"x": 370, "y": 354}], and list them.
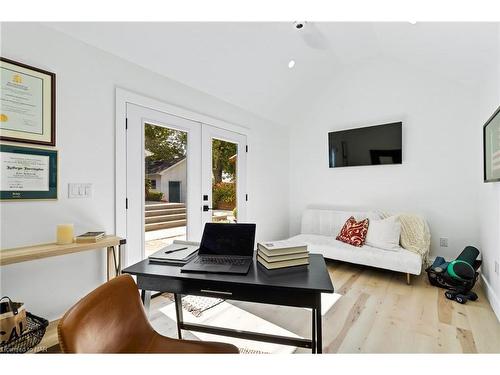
[
  {"x": 138, "y": 118},
  {"x": 220, "y": 143},
  {"x": 192, "y": 166}
]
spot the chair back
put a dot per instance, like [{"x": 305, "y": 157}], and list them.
[{"x": 111, "y": 319}]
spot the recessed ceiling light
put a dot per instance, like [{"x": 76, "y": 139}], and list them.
[{"x": 291, "y": 64}]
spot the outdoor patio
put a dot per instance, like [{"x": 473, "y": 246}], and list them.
[{"x": 157, "y": 239}]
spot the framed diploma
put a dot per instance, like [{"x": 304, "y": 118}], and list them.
[
  {"x": 27, "y": 173},
  {"x": 27, "y": 104}
]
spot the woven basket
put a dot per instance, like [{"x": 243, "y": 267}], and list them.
[{"x": 30, "y": 337}]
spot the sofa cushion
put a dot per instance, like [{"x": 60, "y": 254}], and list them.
[
  {"x": 384, "y": 233},
  {"x": 401, "y": 260},
  {"x": 354, "y": 232},
  {"x": 329, "y": 222}
]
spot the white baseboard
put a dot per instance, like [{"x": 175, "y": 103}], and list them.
[{"x": 492, "y": 297}]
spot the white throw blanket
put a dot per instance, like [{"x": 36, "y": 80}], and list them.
[{"x": 415, "y": 234}]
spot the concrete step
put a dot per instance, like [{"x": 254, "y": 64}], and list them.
[
  {"x": 165, "y": 218},
  {"x": 168, "y": 211},
  {"x": 165, "y": 225},
  {"x": 162, "y": 206}
]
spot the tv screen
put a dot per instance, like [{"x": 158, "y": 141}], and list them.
[{"x": 371, "y": 145}]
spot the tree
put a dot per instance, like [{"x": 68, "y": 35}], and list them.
[
  {"x": 221, "y": 152},
  {"x": 163, "y": 143},
  {"x": 168, "y": 144}
]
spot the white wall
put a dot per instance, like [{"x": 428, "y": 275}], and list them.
[
  {"x": 86, "y": 82},
  {"x": 439, "y": 174},
  {"x": 489, "y": 193}
]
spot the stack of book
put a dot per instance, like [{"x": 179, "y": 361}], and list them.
[{"x": 282, "y": 254}]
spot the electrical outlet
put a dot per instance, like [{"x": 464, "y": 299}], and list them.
[
  {"x": 496, "y": 267},
  {"x": 443, "y": 242}
]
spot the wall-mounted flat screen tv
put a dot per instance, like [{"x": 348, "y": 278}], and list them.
[{"x": 371, "y": 145}]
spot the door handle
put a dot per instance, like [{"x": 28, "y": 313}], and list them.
[{"x": 206, "y": 208}]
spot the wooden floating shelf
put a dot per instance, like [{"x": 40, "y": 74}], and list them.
[{"x": 27, "y": 253}]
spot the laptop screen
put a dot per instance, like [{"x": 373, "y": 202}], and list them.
[{"x": 228, "y": 239}]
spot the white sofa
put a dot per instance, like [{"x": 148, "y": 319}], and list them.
[{"x": 320, "y": 227}]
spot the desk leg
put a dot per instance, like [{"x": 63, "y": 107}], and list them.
[
  {"x": 178, "y": 313},
  {"x": 319, "y": 339},
  {"x": 313, "y": 332},
  {"x": 146, "y": 300}
]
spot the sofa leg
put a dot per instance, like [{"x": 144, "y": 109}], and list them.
[{"x": 408, "y": 280}]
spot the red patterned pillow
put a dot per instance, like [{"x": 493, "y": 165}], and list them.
[{"x": 354, "y": 232}]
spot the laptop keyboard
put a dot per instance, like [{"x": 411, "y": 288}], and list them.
[{"x": 221, "y": 260}]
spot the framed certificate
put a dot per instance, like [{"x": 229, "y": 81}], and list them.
[
  {"x": 27, "y": 173},
  {"x": 27, "y": 104}
]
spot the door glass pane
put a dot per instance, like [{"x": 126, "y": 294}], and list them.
[
  {"x": 165, "y": 186},
  {"x": 224, "y": 181}
]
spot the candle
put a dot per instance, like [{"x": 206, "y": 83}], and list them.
[{"x": 65, "y": 234}]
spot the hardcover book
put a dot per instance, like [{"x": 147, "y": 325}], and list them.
[
  {"x": 282, "y": 264},
  {"x": 281, "y": 258},
  {"x": 284, "y": 244},
  {"x": 89, "y": 237},
  {"x": 274, "y": 248},
  {"x": 178, "y": 253}
]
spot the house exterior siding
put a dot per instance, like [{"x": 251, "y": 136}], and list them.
[{"x": 177, "y": 172}]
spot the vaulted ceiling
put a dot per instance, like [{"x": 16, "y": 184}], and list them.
[{"x": 246, "y": 64}]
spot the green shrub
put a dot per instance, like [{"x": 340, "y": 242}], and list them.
[
  {"x": 154, "y": 196},
  {"x": 224, "y": 196}
]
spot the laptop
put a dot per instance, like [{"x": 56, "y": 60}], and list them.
[{"x": 224, "y": 248}]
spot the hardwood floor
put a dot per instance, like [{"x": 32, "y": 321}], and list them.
[{"x": 380, "y": 313}]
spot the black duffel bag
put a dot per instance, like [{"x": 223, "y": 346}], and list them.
[{"x": 463, "y": 275}]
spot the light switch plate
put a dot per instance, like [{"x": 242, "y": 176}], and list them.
[
  {"x": 443, "y": 242},
  {"x": 79, "y": 190}
]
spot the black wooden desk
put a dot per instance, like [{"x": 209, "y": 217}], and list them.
[{"x": 297, "y": 287}]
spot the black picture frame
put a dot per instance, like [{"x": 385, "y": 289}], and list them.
[
  {"x": 52, "y": 76},
  {"x": 486, "y": 178},
  {"x": 51, "y": 193}
]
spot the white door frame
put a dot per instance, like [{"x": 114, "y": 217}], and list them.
[{"x": 124, "y": 96}]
